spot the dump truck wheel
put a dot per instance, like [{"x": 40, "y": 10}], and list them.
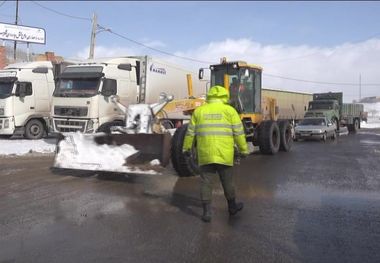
[
  {"x": 336, "y": 122},
  {"x": 269, "y": 137},
  {"x": 184, "y": 166},
  {"x": 286, "y": 140},
  {"x": 34, "y": 129}
]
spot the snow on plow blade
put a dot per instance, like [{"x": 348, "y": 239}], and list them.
[{"x": 122, "y": 153}]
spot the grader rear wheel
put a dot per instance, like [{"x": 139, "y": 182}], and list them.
[
  {"x": 286, "y": 140},
  {"x": 269, "y": 137}
]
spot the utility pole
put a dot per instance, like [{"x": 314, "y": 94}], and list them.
[
  {"x": 93, "y": 35},
  {"x": 16, "y": 22},
  {"x": 360, "y": 87}
]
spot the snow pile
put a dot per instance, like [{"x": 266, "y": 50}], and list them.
[
  {"x": 369, "y": 124},
  {"x": 80, "y": 151},
  {"x": 22, "y": 147}
]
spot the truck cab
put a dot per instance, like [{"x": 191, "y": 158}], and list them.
[
  {"x": 82, "y": 98},
  {"x": 327, "y": 105},
  {"x": 25, "y": 97}
]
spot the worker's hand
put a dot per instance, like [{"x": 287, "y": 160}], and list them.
[{"x": 187, "y": 154}]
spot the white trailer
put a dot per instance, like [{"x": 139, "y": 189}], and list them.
[
  {"x": 81, "y": 100},
  {"x": 25, "y": 98}
]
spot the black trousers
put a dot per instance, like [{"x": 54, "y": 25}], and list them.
[{"x": 226, "y": 178}]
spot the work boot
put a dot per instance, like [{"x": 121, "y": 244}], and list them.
[
  {"x": 234, "y": 207},
  {"x": 206, "y": 217}
]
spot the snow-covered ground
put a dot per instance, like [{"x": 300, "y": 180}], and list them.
[{"x": 22, "y": 147}]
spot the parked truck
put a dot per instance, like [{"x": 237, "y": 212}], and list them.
[
  {"x": 81, "y": 100},
  {"x": 25, "y": 98},
  {"x": 341, "y": 114}
]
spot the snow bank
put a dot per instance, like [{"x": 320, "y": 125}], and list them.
[
  {"x": 370, "y": 125},
  {"x": 22, "y": 147},
  {"x": 80, "y": 151}
]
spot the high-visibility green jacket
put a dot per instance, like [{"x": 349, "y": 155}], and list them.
[{"x": 217, "y": 128}]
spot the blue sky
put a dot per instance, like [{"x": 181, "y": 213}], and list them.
[{"x": 265, "y": 31}]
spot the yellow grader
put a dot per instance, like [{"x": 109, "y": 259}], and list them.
[{"x": 148, "y": 128}]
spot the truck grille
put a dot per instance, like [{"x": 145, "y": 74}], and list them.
[
  {"x": 70, "y": 126},
  {"x": 70, "y": 111}
]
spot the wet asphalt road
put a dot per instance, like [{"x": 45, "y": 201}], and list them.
[{"x": 318, "y": 203}]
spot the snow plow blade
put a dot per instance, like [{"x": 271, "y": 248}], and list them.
[{"x": 121, "y": 153}]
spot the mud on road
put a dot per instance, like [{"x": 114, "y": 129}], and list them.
[{"x": 318, "y": 203}]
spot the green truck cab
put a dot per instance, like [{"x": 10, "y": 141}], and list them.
[{"x": 331, "y": 106}]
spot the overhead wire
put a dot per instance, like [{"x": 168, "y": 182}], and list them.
[{"x": 60, "y": 13}]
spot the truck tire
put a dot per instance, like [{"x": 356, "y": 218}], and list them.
[
  {"x": 106, "y": 127},
  {"x": 356, "y": 125},
  {"x": 184, "y": 166},
  {"x": 324, "y": 137},
  {"x": 336, "y": 122},
  {"x": 286, "y": 140},
  {"x": 269, "y": 137},
  {"x": 34, "y": 129}
]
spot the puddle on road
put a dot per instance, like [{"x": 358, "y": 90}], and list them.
[
  {"x": 371, "y": 142},
  {"x": 307, "y": 195}
]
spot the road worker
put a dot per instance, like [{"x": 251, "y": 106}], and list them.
[{"x": 217, "y": 128}]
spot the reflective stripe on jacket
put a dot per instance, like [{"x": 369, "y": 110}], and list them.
[{"x": 217, "y": 128}]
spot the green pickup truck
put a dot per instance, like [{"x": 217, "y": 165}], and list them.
[{"x": 331, "y": 106}]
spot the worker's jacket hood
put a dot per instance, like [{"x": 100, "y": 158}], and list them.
[{"x": 217, "y": 94}]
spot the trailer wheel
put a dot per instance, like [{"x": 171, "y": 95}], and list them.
[
  {"x": 184, "y": 166},
  {"x": 286, "y": 140},
  {"x": 34, "y": 129},
  {"x": 269, "y": 137}
]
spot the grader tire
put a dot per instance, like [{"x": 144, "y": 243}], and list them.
[
  {"x": 184, "y": 166},
  {"x": 269, "y": 137},
  {"x": 286, "y": 140}
]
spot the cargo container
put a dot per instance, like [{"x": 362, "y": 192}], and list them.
[{"x": 291, "y": 105}]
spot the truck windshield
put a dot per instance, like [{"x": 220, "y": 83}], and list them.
[
  {"x": 314, "y": 121},
  {"x": 77, "y": 87},
  {"x": 321, "y": 105},
  {"x": 6, "y": 88},
  {"x": 245, "y": 91}
]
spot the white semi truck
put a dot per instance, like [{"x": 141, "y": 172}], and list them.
[
  {"x": 25, "y": 98},
  {"x": 82, "y": 98}
]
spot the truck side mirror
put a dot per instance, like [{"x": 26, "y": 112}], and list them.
[
  {"x": 109, "y": 87},
  {"x": 42, "y": 70},
  {"x": 200, "y": 73},
  {"x": 127, "y": 67}
]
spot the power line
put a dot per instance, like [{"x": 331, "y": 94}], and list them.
[
  {"x": 321, "y": 82},
  {"x": 158, "y": 50},
  {"x": 60, "y": 13},
  {"x": 2, "y": 2}
]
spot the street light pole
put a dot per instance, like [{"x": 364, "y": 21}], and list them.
[
  {"x": 93, "y": 35},
  {"x": 16, "y": 22}
]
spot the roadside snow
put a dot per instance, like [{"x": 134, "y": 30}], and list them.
[
  {"x": 370, "y": 125},
  {"x": 22, "y": 147}
]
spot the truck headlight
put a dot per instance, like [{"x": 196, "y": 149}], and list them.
[
  {"x": 6, "y": 124},
  {"x": 1, "y": 111},
  {"x": 90, "y": 125}
]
